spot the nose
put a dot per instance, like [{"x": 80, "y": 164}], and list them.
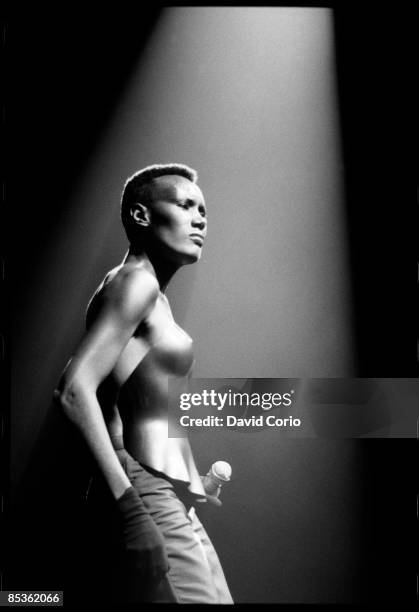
[{"x": 199, "y": 221}]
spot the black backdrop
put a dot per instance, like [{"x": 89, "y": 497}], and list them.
[{"x": 64, "y": 75}]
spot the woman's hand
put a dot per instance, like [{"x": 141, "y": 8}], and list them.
[{"x": 212, "y": 499}]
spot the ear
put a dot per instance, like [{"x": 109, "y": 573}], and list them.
[{"x": 140, "y": 214}]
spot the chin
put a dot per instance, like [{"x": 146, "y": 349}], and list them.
[
  {"x": 189, "y": 255},
  {"x": 190, "y": 258},
  {"x": 184, "y": 258}
]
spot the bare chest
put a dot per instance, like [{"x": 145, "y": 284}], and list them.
[{"x": 158, "y": 347}]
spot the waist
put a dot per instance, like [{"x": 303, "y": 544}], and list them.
[
  {"x": 180, "y": 487},
  {"x": 150, "y": 445},
  {"x": 147, "y": 481}
]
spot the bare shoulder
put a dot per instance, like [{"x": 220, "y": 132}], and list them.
[
  {"x": 129, "y": 290},
  {"x": 132, "y": 286}
]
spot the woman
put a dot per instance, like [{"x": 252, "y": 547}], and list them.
[{"x": 115, "y": 390}]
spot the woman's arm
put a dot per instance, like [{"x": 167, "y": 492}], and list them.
[
  {"x": 107, "y": 395},
  {"x": 128, "y": 299},
  {"x": 116, "y": 429}
]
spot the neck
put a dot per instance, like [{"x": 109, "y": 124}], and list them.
[{"x": 162, "y": 269}]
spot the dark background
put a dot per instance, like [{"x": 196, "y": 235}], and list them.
[{"x": 63, "y": 82}]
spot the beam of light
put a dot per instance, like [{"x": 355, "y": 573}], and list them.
[{"x": 247, "y": 96}]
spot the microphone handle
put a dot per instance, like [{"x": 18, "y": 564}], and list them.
[{"x": 212, "y": 484}]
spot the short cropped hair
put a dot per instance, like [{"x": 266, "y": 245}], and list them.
[{"x": 138, "y": 188}]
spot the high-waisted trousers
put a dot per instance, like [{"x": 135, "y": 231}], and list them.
[{"x": 195, "y": 574}]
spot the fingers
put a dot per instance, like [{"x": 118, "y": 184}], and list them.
[{"x": 214, "y": 500}]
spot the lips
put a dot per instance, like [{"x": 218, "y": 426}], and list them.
[{"x": 197, "y": 238}]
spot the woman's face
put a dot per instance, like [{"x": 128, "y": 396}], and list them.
[{"x": 178, "y": 218}]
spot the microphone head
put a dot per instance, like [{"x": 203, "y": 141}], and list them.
[{"x": 222, "y": 470}]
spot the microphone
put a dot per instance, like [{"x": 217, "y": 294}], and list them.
[{"x": 219, "y": 473}]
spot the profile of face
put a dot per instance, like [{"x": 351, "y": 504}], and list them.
[{"x": 176, "y": 219}]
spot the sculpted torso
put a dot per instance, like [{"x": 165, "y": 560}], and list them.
[{"x": 158, "y": 351}]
